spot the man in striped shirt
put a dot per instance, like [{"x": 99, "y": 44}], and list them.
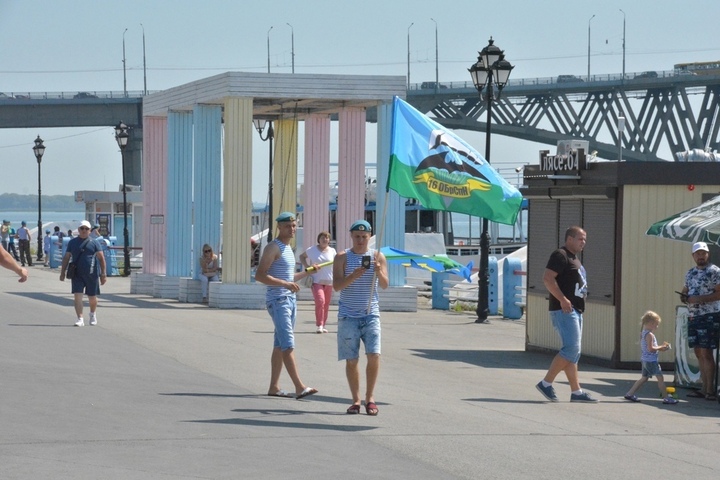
[
  {"x": 277, "y": 270},
  {"x": 357, "y": 273}
]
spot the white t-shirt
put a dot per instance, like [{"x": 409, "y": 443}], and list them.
[{"x": 324, "y": 275}]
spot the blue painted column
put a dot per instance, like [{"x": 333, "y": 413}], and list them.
[
  {"x": 207, "y": 180},
  {"x": 391, "y": 221},
  {"x": 179, "y": 194}
]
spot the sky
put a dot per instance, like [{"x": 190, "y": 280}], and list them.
[{"x": 48, "y": 46}]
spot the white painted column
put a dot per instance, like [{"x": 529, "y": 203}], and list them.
[
  {"x": 351, "y": 172},
  {"x": 316, "y": 188}
]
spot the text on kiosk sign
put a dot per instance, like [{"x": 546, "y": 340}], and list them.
[{"x": 574, "y": 160}]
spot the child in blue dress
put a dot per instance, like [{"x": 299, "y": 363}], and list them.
[{"x": 649, "y": 358}]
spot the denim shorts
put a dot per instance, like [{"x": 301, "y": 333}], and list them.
[
  {"x": 283, "y": 312},
  {"x": 352, "y": 330},
  {"x": 650, "y": 369},
  {"x": 703, "y": 331},
  {"x": 569, "y": 327}
]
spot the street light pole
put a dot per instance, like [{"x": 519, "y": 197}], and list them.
[
  {"x": 124, "y": 70},
  {"x": 268, "y": 47},
  {"x": 39, "y": 150},
  {"x": 292, "y": 46},
  {"x": 408, "y": 62},
  {"x": 491, "y": 70},
  {"x": 588, "y": 77},
  {"x": 260, "y": 126},
  {"x": 121, "y": 136},
  {"x": 144, "y": 64},
  {"x": 437, "y": 70},
  {"x": 623, "y": 44}
]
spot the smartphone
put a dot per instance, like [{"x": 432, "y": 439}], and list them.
[{"x": 366, "y": 261}]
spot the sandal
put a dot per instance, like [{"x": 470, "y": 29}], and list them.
[
  {"x": 696, "y": 394},
  {"x": 371, "y": 409},
  {"x": 632, "y": 398},
  {"x": 353, "y": 410},
  {"x": 710, "y": 396}
]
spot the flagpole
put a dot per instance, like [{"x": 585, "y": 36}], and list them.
[{"x": 378, "y": 240}]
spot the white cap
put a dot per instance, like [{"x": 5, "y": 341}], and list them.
[
  {"x": 700, "y": 246},
  {"x": 85, "y": 223}
]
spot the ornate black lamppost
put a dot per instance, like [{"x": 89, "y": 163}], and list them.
[
  {"x": 121, "y": 136},
  {"x": 491, "y": 70},
  {"x": 39, "y": 150},
  {"x": 260, "y": 127}
]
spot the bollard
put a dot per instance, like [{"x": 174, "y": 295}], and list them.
[
  {"x": 493, "y": 286},
  {"x": 439, "y": 301},
  {"x": 512, "y": 282}
]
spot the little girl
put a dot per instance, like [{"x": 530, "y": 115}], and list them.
[{"x": 649, "y": 358}]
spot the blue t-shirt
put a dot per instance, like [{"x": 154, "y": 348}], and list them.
[{"x": 86, "y": 263}]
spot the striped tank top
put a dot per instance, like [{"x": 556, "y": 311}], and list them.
[
  {"x": 647, "y": 355},
  {"x": 353, "y": 300},
  {"x": 282, "y": 268}
]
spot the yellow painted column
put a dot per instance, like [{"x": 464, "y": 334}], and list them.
[
  {"x": 237, "y": 190},
  {"x": 285, "y": 171}
]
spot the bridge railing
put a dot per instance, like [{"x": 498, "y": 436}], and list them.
[
  {"x": 12, "y": 96},
  {"x": 648, "y": 76}
]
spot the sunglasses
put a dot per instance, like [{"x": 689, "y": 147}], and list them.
[
  {"x": 207, "y": 251},
  {"x": 83, "y": 228}
]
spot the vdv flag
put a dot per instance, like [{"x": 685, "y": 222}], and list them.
[{"x": 433, "y": 165}]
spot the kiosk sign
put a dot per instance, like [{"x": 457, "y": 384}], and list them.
[{"x": 570, "y": 162}]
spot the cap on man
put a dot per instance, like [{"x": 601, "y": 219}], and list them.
[{"x": 700, "y": 246}]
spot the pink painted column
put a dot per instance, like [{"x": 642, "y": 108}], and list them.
[
  {"x": 316, "y": 188},
  {"x": 154, "y": 194},
  {"x": 351, "y": 172}
]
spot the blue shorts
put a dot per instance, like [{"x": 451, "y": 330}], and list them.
[
  {"x": 352, "y": 330},
  {"x": 283, "y": 312},
  {"x": 88, "y": 284},
  {"x": 569, "y": 327},
  {"x": 703, "y": 331},
  {"x": 650, "y": 369}
]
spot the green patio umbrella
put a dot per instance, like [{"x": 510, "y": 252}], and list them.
[{"x": 699, "y": 224}]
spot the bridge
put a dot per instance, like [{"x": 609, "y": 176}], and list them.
[{"x": 665, "y": 112}]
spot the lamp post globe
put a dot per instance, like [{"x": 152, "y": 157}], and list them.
[
  {"x": 490, "y": 71},
  {"x": 122, "y": 136},
  {"x": 39, "y": 151}
]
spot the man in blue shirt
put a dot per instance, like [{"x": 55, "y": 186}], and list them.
[{"x": 86, "y": 253}]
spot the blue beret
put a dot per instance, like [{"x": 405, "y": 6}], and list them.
[
  {"x": 23, "y": 223},
  {"x": 285, "y": 217},
  {"x": 361, "y": 226}
]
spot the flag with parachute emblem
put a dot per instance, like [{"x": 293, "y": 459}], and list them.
[{"x": 433, "y": 165}]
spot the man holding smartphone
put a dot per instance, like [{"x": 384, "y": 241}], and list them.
[{"x": 357, "y": 273}]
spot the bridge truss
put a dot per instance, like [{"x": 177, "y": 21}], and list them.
[{"x": 663, "y": 116}]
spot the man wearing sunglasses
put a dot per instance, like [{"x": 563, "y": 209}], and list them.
[{"x": 87, "y": 256}]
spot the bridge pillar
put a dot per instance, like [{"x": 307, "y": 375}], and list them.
[{"x": 133, "y": 156}]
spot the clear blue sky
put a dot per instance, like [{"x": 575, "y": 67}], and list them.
[{"x": 77, "y": 46}]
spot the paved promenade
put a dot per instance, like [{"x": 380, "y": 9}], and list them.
[{"x": 163, "y": 390}]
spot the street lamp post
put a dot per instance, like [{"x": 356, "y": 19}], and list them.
[
  {"x": 268, "y": 47},
  {"x": 124, "y": 70},
  {"x": 490, "y": 71},
  {"x": 39, "y": 150},
  {"x": 260, "y": 126},
  {"x": 408, "y": 62},
  {"x": 623, "y": 43},
  {"x": 437, "y": 70},
  {"x": 144, "y": 63},
  {"x": 588, "y": 77},
  {"x": 121, "y": 136},
  {"x": 292, "y": 46}
]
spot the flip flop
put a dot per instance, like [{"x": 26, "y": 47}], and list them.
[
  {"x": 306, "y": 393},
  {"x": 353, "y": 409},
  {"x": 696, "y": 394},
  {"x": 281, "y": 393},
  {"x": 371, "y": 409}
]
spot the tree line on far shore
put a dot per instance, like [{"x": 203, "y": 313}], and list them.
[{"x": 14, "y": 202}]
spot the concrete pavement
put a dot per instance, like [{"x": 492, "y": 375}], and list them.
[{"x": 163, "y": 390}]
